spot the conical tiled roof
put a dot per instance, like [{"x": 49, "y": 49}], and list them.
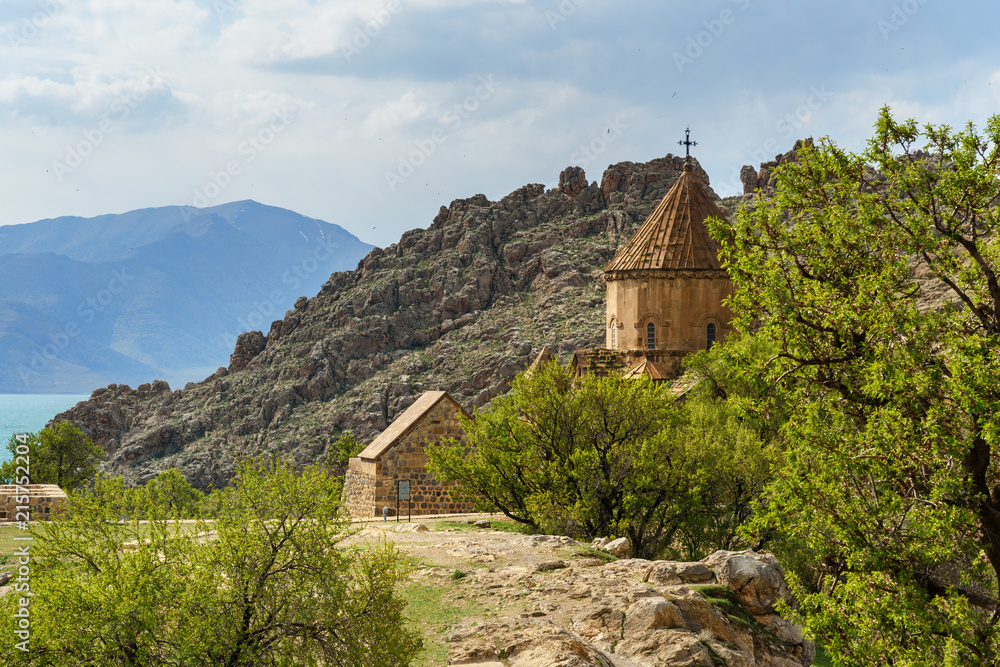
[{"x": 674, "y": 236}]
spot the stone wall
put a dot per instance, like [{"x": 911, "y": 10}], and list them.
[
  {"x": 42, "y": 501},
  {"x": 359, "y": 492}
]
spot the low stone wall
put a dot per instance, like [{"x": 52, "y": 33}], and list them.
[{"x": 42, "y": 501}]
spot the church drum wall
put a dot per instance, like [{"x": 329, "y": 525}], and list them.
[{"x": 681, "y": 306}]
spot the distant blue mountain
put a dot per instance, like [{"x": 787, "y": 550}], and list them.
[{"x": 157, "y": 293}]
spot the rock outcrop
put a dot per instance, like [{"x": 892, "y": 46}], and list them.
[
  {"x": 763, "y": 179},
  {"x": 637, "y": 613},
  {"x": 461, "y": 306}
]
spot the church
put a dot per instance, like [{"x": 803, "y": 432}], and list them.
[
  {"x": 666, "y": 289},
  {"x": 665, "y": 299}
]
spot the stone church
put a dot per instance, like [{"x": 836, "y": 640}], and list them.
[
  {"x": 665, "y": 290},
  {"x": 665, "y": 293}
]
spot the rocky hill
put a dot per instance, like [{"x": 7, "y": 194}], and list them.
[{"x": 462, "y": 305}]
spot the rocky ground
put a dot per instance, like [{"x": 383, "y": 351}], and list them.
[{"x": 492, "y": 597}]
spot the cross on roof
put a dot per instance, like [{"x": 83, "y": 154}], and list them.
[{"x": 687, "y": 143}]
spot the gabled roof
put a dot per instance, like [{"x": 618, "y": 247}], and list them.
[
  {"x": 674, "y": 236},
  {"x": 649, "y": 369},
  {"x": 544, "y": 357},
  {"x": 405, "y": 423}
]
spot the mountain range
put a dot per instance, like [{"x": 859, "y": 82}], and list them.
[{"x": 158, "y": 293}]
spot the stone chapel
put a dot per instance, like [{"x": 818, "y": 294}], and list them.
[{"x": 665, "y": 289}]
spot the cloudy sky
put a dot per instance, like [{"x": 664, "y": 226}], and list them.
[{"x": 373, "y": 113}]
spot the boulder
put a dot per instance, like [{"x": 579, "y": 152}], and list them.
[
  {"x": 412, "y": 528},
  {"x": 694, "y": 573},
  {"x": 619, "y": 547},
  {"x": 650, "y": 613},
  {"x": 757, "y": 579},
  {"x": 662, "y": 572},
  {"x": 551, "y": 541},
  {"x": 482, "y": 523}
]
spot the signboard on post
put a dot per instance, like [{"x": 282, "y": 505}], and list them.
[{"x": 403, "y": 493}]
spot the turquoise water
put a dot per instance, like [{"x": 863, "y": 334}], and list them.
[{"x": 27, "y": 413}]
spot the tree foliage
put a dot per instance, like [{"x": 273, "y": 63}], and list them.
[
  {"x": 267, "y": 583},
  {"x": 601, "y": 456},
  {"x": 874, "y": 277},
  {"x": 60, "y": 454}
]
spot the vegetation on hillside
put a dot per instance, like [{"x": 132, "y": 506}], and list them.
[{"x": 890, "y": 484}]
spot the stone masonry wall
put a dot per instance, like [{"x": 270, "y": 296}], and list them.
[
  {"x": 42, "y": 500},
  {"x": 359, "y": 493},
  {"x": 408, "y": 460}
]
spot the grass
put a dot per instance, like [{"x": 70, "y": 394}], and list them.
[
  {"x": 434, "y": 609},
  {"x": 822, "y": 660},
  {"x": 7, "y": 543},
  {"x": 590, "y": 552}
]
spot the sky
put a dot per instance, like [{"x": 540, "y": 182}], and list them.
[{"x": 372, "y": 114}]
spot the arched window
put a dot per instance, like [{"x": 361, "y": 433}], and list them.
[
  {"x": 650, "y": 336},
  {"x": 711, "y": 335},
  {"x": 614, "y": 335}
]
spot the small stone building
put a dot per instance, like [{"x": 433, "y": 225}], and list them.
[
  {"x": 42, "y": 501},
  {"x": 665, "y": 289},
  {"x": 399, "y": 454}
]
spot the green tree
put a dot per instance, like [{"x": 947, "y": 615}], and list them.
[
  {"x": 61, "y": 454},
  {"x": 606, "y": 456},
  {"x": 268, "y": 583},
  {"x": 342, "y": 450},
  {"x": 874, "y": 277},
  {"x": 170, "y": 492}
]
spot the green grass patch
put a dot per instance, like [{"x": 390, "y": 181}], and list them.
[
  {"x": 822, "y": 659},
  {"x": 7, "y": 543},
  {"x": 432, "y": 607},
  {"x": 727, "y": 602},
  {"x": 513, "y": 527},
  {"x": 591, "y": 552}
]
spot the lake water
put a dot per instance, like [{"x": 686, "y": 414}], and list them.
[{"x": 28, "y": 413}]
